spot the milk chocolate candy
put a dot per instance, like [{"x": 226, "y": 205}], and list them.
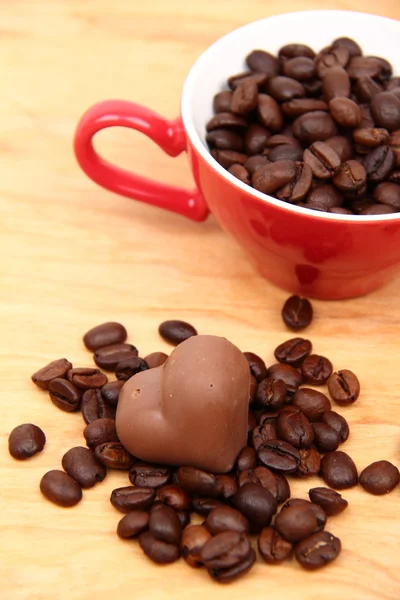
[{"x": 190, "y": 411}]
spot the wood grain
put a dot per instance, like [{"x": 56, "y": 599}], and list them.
[{"x": 74, "y": 255}]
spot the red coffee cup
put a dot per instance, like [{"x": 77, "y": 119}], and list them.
[{"x": 315, "y": 254}]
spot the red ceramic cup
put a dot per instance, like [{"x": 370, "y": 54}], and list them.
[{"x": 307, "y": 252}]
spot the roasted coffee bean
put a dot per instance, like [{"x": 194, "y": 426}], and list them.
[
  {"x": 132, "y": 524},
  {"x": 224, "y": 139},
  {"x": 350, "y": 176},
  {"x": 225, "y": 550},
  {"x": 184, "y": 517},
  {"x": 290, "y": 151},
  {"x": 345, "y": 112},
  {"x": 85, "y": 378},
  {"x": 155, "y": 359},
  {"x": 174, "y": 496},
  {"x": 352, "y": 46},
  {"x": 394, "y": 143},
  {"x": 344, "y": 386},
  {"x": 317, "y": 510},
  {"x": 263, "y": 433},
  {"x": 389, "y": 194},
  {"x": 394, "y": 82},
  {"x": 385, "y": 109},
  {"x": 108, "y": 357},
  {"x": 299, "y": 186},
  {"x": 100, "y": 431},
  {"x": 366, "y": 88},
  {"x": 257, "y": 365},
  {"x": 240, "y": 78},
  {"x": 310, "y": 463},
  {"x": 126, "y": 499},
  {"x": 271, "y": 393},
  {"x": 274, "y": 176},
  {"x": 339, "y": 210},
  {"x": 245, "y": 97},
  {"x": 322, "y": 159},
  {"x": 291, "y": 376},
  {"x": 94, "y": 407},
  {"x": 299, "y": 106},
  {"x": 165, "y": 525},
  {"x": 114, "y": 455},
  {"x": 342, "y": 147},
  {"x": 203, "y": 506},
  {"x": 240, "y": 172},
  {"x": 64, "y": 394},
  {"x": 158, "y": 551},
  {"x": 293, "y": 50},
  {"x": 261, "y": 476},
  {"x": 313, "y": 88},
  {"x": 227, "y": 158},
  {"x": 293, "y": 351},
  {"x": 81, "y": 464},
  {"x": 264, "y": 62},
  {"x": 193, "y": 539},
  {"x": 246, "y": 460},
  {"x": 295, "y": 428},
  {"x": 226, "y": 518},
  {"x": 338, "y": 470},
  {"x": 370, "y": 137},
  {"x": 255, "y": 139},
  {"x": 110, "y": 392},
  {"x": 297, "y": 313},
  {"x": 197, "y": 481},
  {"x": 326, "y": 439},
  {"x": 367, "y": 120},
  {"x": 378, "y": 209},
  {"x": 105, "y": 334},
  {"x": 231, "y": 573},
  {"x": 337, "y": 422},
  {"x": 176, "y": 332},
  {"x": 301, "y": 68},
  {"x": 227, "y": 486},
  {"x": 128, "y": 367},
  {"x": 60, "y": 488},
  {"x": 272, "y": 547},
  {"x": 284, "y": 88},
  {"x": 55, "y": 369},
  {"x": 316, "y": 369},
  {"x": 361, "y": 66},
  {"x": 269, "y": 113},
  {"x": 256, "y": 503},
  {"x": 296, "y": 522},
  {"x": 255, "y": 162},
  {"x": 318, "y": 550},
  {"x": 336, "y": 84},
  {"x": 311, "y": 403},
  {"x": 331, "y": 57},
  {"x": 220, "y": 120},
  {"x": 331, "y": 501},
  {"x": 222, "y": 101},
  {"x": 149, "y": 476},
  {"x": 378, "y": 163},
  {"x": 380, "y": 477},
  {"x": 316, "y": 126},
  {"x": 26, "y": 440},
  {"x": 283, "y": 488},
  {"x": 279, "y": 456}
]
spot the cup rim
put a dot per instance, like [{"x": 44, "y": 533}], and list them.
[{"x": 190, "y": 129}]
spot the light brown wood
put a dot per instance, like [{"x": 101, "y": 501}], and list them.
[{"x": 74, "y": 255}]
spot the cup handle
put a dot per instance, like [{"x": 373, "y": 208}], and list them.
[{"x": 169, "y": 135}]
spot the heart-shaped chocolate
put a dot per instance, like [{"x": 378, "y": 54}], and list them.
[{"x": 190, "y": 411}]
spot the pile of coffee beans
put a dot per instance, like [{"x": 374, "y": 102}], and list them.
[
  {"x": 292, "y": 432},
  {"x": 321, "y": 131}
]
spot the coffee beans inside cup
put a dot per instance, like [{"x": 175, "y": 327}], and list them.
[{"x": 319, "y": 130}]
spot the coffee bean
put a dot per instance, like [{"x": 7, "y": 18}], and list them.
[
  {"x": 158, "y": 551},
  {"x": 378, "y": 163},
  {"x": 255, "y": 139},
  {"x": 113, "y": 455},
  {"x": 108, "y": 357},
  {"x": 389, "y": 194},
  {"x": 322, "y": 160},
  {"x": 220, "y": 120},
  {"x": 274, "y": 176},
  {"x": 256, "y": 503},
  {"x": 203, "y": 506},
  {"x": 331, "y": 57},
  {"x": 279, "y": 456},
  {"x": 253, "y": 389},
  {"x": 132, "y": 524},
  {"x": 338, "y": 470},
  {"x": 176, "y": 332},
  {"x": 378, "y": 209},
  {"x": 366, "y": 88},
  {"x": 296, "y": 523},
  {"x": 326, "y": 438},
  {"x": 174, "y": 496},
  {"x": 155, "y": 359},
  {"x": 316, "y": 126},
  {"x": 380, "y": 477},
  {"x": 94, "y": 407},
  {"x": 128, "y": 367},
  {"x": 337, "y": 422},
  {"x": 26, "y": 440},
  {"x": 369, "y": 137},
  {"x": 257, "y": 365},
  {"x": 262, "y": 476},
  {"x": 344, "y": 387},
  {"x": 310, "y": 463},
  {"x": 231, "y": 573},
  {"x": 100, "y": 431},
  {"x": 263, "y": 433},
  {"x": 342, "y": 147},
  {"x": 271, "y": 393},
  {"x": 197, "y": 481},
  {"x": 291, "y": 376},
  {"x": 60, "y": 488},
  {"x": 299, "y": 186},
  {"x": 287, "y": 151},
  {"x": 56, "y": 369},
  {"x": 240, "y": 172},
  {"x": 361, "y": 66},
  {"x": 225, "y": 550},
  {"x": 284, "y": 88},
  {"x": 64, "y": 394},
  {"x": 264, "y": 62},
  {"x": 245, "y": 97},
  {"x": 311, "y": 403},
  {"x": 227, "y": 158},
  {"x": 331, "y": 501},
  {"x": 224, "y": 139},
  {"x": 246, "y": 459},
  {"x": 149, "y": 476},
  {"x": 226, "y": 518},
  {"x": 316, "y": 369},
  {"x": 110, "y": 392},
  {"x": 241, "y": 78},
  {"x": 345, "y": 112},
  {"x": 283, "y": 488},
  {"x": 165, "y": 525},
  {"x": 297, "y": 313},
  {"x": 81, "y": 464},
  {"x": 193, "y": 539},
  {"x": 318, "y": 550},
  {"x": 105, "y": 334},
  {"x": 272, "y": 547},
  {"x": 336, "y": 84},
  {"x": 269, "y": 113},
  {"x": 126, "y": 499},
  {"x": 255, "y": 162},
  {"x": 222, "y": 101},
  {"x": 293, "y": 351},
  {"x": 352, "y": 46},
  {"x": 85, "y": 378},
  {"x": 320, "y": 514},
  {"x": 293, "y": 50},
  {"x": 295, "y": 428},
  {"x": 385, "y": 109},
  {"x": 301, "y": 68},
  {"x": 227, "y": 486}
]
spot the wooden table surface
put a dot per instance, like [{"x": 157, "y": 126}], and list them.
[{"x": 74, "y": 255}]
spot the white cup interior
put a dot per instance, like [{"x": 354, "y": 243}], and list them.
[{"x": 377, "y": 36}]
